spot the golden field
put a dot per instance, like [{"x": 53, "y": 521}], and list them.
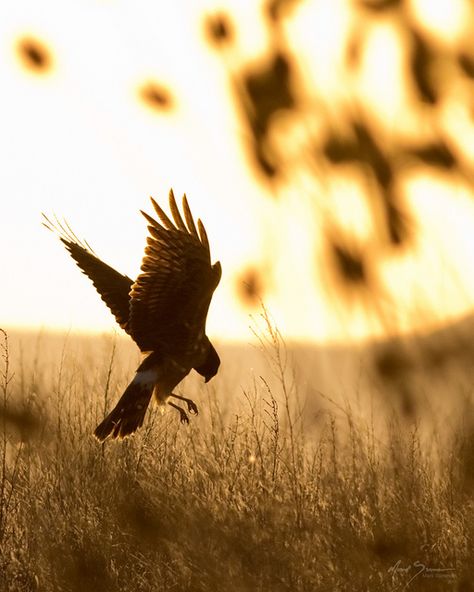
[{"x": 275, "y": 485}]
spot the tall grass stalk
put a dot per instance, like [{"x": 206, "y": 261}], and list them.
[{"x": 247, "y": 497}]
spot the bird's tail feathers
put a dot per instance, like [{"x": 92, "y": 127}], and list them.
[{"x": 129, "y": 413}]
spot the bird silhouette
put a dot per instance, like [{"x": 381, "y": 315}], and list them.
[{"x": 164, "y": 311}]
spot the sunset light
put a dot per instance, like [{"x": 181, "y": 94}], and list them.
[
  {"x": 236, "y": 295},
  {"x": 104, "y": 105}
]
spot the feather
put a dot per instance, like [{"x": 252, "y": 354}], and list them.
[
  {"x": 163, "y": 217},
  {"x": 189, "y": 218},
  {"x": 175, "y": 212},
  {"x": 203, "y": 236}
]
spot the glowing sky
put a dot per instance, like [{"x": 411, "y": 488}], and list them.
[{"x": 78, "y": 142}]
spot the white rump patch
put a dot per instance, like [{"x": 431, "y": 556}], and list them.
[{"x": 146, "y": 377}]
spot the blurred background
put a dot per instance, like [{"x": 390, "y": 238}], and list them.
[{"x": 328, "y": 148}]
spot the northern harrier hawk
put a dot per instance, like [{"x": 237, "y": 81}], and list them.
[{"x": 164, "y": 311}]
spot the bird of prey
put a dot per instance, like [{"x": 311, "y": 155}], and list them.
[{"x": 164, "y": 311}]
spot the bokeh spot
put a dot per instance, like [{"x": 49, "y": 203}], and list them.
[
  {"x": 218, "y": 29},
  {"x": 156, "y": 96},
  {"x": 250, "y": 287},
  {"x": 380, "y": 5},
  {"x": 349, "y": 265},
  {"x": 466, "y": 62},
  {"x": 34, "y": 55},
  {"x": 278, "y": 9},
  {"x": 422, "y": 59},
  {"x": 268, "y": 90}
]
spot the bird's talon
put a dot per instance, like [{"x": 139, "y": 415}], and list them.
[
  {"x": 192, "y": 408},
  {"x": 184, "y": 418}
]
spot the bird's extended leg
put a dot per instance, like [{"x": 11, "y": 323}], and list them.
[
  {"x": 192, "y": 407},
  {"x": 182, "y": 412}
]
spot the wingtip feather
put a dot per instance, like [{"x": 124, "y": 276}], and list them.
[
  {"x": 167, "y": 223},
  {"x": 203, "y": 236},
  {"x": 148, "y": 218},
  {"x": 175, "y": 212},
  {"x": 189, "y": 217},
  {"x": 46, "y": 221},
  {"x": 65, "y": 233}
]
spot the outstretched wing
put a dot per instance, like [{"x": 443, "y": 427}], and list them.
[
  {"x": 113, "y": 287},
  {"x": 171, "y": 297}
]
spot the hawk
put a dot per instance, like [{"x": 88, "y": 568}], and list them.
[{"x": 164, "y": 311}]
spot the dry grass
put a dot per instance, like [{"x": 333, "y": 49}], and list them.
[{"x": 245, "y": 498}]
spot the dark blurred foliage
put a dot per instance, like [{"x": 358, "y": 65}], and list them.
[
  {"x": 392, "y": 362},
  {"x": 422, "y": 60},
  {"x": 250, "y": 287},
  {"x": 21, "y": 421},
  {"x": 218, "y": 29},
  {"x": 339, "y": 150},
  {"x": 401, "y": 363},
  {"x": 348, "y": 271},
  {"x": 269, "y": 90},
  {"x": 371, "y": 154},
  {"x": 354, "y": 51},
  {"x": 156, "y": 96},
  {"x": 361, "y": 148},
  {"x": 279, "y": 9},
  {"x": 395, "y": 366},
  {"x": 433, "y": 354},
  {"x": 34, "y": 55},
  {"x": 266, "y": 90},
  {"x": 467, "y": 64},
  {"x": 350, "y": 265},
  {"x": 435, "y": 154},
  {"x": 398, "y": 221},
  {"x": 274, "y": 83},
  {"x": 380, "y": 5}
]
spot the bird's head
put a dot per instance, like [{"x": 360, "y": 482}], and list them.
[{"x": 211, "y": 365}]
